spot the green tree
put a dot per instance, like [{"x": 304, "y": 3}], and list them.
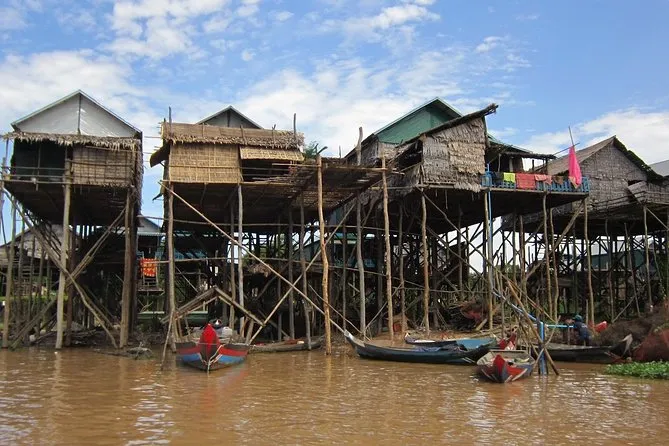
[{"x": 311, "y": 151}]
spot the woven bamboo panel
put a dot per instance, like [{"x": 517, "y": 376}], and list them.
[
  {"x": 102, "y": 167},
  {"x": 273, "y": 154},
  {"x": 205, "y": 163}
]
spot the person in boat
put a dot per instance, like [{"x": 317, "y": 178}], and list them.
[
  {"x": 582, "y": 332},
  {"x": 218, "y": 326}
]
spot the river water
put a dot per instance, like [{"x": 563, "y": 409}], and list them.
[{"x": 81, "y": 397}]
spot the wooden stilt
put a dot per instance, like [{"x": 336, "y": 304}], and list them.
[
  {"x": 170, "y": 269},
  {"x": 291, "y": 295},
  {"x": 65, "y": 243},
  {"x": 379, "y": 279},
  {"x": 324, "y": 257},
  {"x": 344, "y": 276},
  {"x": 233, "y": 282},
  {"x": 400, "y": 269},
  {"x": 547, "y": 261},
  {"x": 647, "y": 252},
  {"x": 9, "y": 288},
  {"x": 426, "y": 270},
  {"x": 388, "y": 252},
  {"x": 591, "y": 297},
  {"x": 303, "y": 270},
  {"x": 489, "y": 254},
  {"x": 71, "y": 265},
  {"x": 358, "y": 247},
  {"x": 240, "y": 262},
  {"x": 128, "y": 266}
]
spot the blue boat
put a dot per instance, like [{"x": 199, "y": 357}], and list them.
[
  {"x": 449, "y": 354},
  {"x": 468, "y": 343}
]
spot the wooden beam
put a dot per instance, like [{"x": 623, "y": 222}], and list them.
[
  {"x": 386, "y": 227},
  {"x": 64, "y": 246},
  {"x": 324, "y": 259},
  {"x": 426, "y": 270}
]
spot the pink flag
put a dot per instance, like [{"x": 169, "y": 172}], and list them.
[{"x": 574, "y": 168}]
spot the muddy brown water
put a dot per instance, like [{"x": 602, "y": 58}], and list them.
[{"x": 80, "y": 397}]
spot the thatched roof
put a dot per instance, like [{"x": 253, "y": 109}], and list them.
[
  {"x": 561, "y": 165},
  {"x": 273, "y": 141},
  {"x": 77, "y": 140},
  {"x": 195, "y": 133}
]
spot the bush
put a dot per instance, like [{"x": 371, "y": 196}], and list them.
[{"x": 651, "y": 370}]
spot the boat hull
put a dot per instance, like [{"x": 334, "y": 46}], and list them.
[
  {"x": 505, "y": 366},
  {"x": 426, "y": 355},
  {"x": 468, "y": 343},
  {"x": 225, "y": 355}
]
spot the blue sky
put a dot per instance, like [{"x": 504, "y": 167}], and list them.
[{"x": 599, "y": 67}]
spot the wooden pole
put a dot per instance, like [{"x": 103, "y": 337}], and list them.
[
  {"x": 9, "y": 288},
  {"x": 303, "y": 270},
  {"x": 170, "y": 268},
  {"x": 128, "y": 266},
  {"x": 358, "y": 246},
  {"x": 291, "y": 295},
  {"x": 388, "y": 259},
  {"x": 647, "y": 250},
  {"x": 65, "y": 243},
  {"x": 233, "y": 282},
  {"x": 547, "y": 261},
  {"x": 379, "y": 278},
  {"x": 488, "y": 253},
  {"x": 400, "y": 251},
  {"x": 240, "y": 242},
  {"x": 344, "y": 275},
  {"x": 591, "y": 297},
  {"x": 324, "y": 257},
  {"x": 426, "y": 270},
  {"x": 71, "y": 265}
]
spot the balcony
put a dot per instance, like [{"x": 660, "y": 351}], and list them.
[{"x": 531, "y": 182}]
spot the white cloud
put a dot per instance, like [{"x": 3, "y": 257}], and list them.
[
  {"x": 420, "y": 2},
  {"x": 489, "y": 43},
  {"x": 644, "y": 132},
  {"x": 160, "y": 28},
  {"x": 11, "y": 18},
  {"x": 76, "y": 20},
  {"x": 248, "y": 8},
  {"x": 247, "y": 55},
  {"x": 13, "y": 13},
  {"x": 527, "y": 17},
  {"x": 217, "y": 23},
  {"x": 282, "y": 16},
  {"x": 374, "y": 27}
]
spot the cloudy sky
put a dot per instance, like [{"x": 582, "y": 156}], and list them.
[{"x": 597, "y": 66}]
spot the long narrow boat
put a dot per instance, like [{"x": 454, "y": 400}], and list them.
[
  {"x": 602, "y": 354},
  {"x": 455, "y": 354},
  {"x": 469, "y": 343},
  {"x": 503, "y": 366},
  {"x": 209, "y": 354},
  {"x": 292, "y": 345}
]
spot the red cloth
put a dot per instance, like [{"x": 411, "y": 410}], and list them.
[
  {"x": 543, "y": 178},
  {"x": 525, "y": 181},
  {"x": 574, "y": 168}
]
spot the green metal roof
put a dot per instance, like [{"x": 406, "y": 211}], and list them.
[{"x": 417, "y": 121}]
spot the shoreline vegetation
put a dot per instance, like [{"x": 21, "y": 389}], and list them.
[{"x": 647, "y": 370}]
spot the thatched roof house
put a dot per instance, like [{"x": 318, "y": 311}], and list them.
[
  {"x": 621, "y": 183},
  {"x": 103, "y": 150}
]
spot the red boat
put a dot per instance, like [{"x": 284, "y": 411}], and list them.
[
  {"x": 503, "y": 366},
  {"x": 209, "y": 354}
]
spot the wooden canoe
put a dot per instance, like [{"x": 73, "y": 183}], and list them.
[
  {"x": 503, "y": 366},
  {"x": 455, "y": 354},
  {"x": 468, "y": 343},
  {"x": 208, "y": 353}
]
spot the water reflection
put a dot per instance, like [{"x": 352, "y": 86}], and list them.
[{"x": 83, "y": 397}]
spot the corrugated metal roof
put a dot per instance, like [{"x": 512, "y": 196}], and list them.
[
  {"x": 661, "y": 168},
  {"x": 232, "y": 109},
  {"x": 17, "y": 124}
]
